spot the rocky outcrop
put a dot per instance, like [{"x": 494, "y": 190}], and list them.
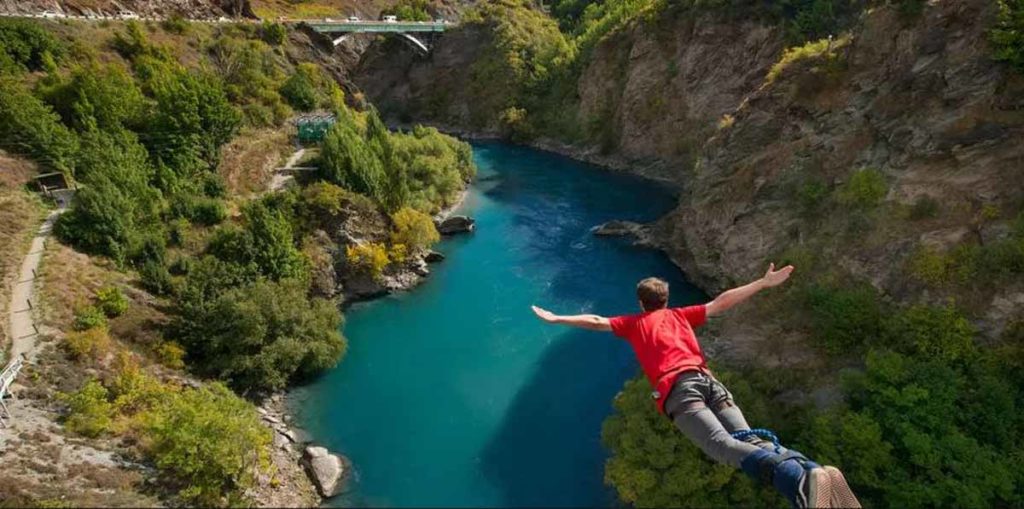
[
  {"x": 327, "y": 470},
  {"x": 640, "y": 234},
  {"x": 456, "y": 224},
  {"x": 922, "y": 103}
]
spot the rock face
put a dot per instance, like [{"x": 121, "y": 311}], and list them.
[
  {"x": 327, "y": 470},
  {"x": 639, "y": 233},
  {"x": 433, "y": 257},
  {"x": 456, "y": 224}
]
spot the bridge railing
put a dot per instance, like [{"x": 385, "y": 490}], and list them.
[
  {"x": 6, "y": 379},
  {"x": 376, "y": 26}
]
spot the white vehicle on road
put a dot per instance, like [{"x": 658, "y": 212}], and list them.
[
  {"x": 390, "y": 19},
  {"x": 353, "y": 19},
  {"x": 127, "y": 15},
  {"x": 50, "y": 15},
  {"x": 440, "y": 20}
]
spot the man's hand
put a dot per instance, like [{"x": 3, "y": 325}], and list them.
[
  {"x": 730, "y": 298},
  {"x": 544, "y": 314},
  {"x": 776, "y": 277},
  {"x": 589, "y": 322}
]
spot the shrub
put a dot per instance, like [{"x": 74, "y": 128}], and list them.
[
  {"x": 413, "y": 229},
  {"x": 28, "y": 126},
  {"x": 171, "y": 354},
  {"x": 210, "y": 441},
  {"x": 111, "y": 301},
  {"x": 865, "y": 190},
  {"x": 26, "y": 43},
  {"x": 811, "y": 196},
  {"x": 844, "y": 318},
  {"x": 156, "y": 278},
  {"x": 1008, "y": 34},
  {"x": 273, "y": 33},
  {"x": 175, "y": 24},
  {"x": 924, "y": 207},
  {"x": 261, "y": 336},
  {"x": 89, "y": 411},
  {"x": 91, "y": 343},
  {"x": 822, "y": 52},
  {"x": 931, "y": 332},
  {"x": 369, "y": 257},
  {"x": 265, "y": 243},
  {"x": 88, "y": 317}
]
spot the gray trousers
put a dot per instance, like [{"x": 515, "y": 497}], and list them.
[{"x": 703, "y": 409}]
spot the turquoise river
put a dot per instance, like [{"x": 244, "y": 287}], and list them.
[{"x": 454, "y": 394}]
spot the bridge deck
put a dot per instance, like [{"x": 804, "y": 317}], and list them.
[{"x": 376, "y": 26}]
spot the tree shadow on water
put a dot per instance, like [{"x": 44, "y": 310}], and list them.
[{"x": 547, "y": 450}]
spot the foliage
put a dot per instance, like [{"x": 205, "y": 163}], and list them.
[
  {"x": 410, "y": 10},
  {"x": 111, "y": 301},
  {"x": 27, "y": 44},
  {"x": 95, "y": 96},
  {"x": 413, "y": 229},
  {"x": 264, "y": 245},
  {"x": 210, "y": 440},
  {"x": 844, "y": 317},
  {"x": 1008, "y": 34},
  {"x": 28, "y": 126},
  {"x": 821, "y": 54},
  {"x": 89, "y": 412},
  {"x": 369, "y": 257},
  {"x": 308, "y": 88},
  {"x": 175, "y": 24},
  {"x": 435, "y": 167},
  {"x": 263, "y": 335},
  {"x": 156, "y": 278},
  {"x": 90, "y": 343},
  {"x": 251, "y": 77},
  {"x": 274, "y": 34},
  {"x": 924, "y": 207},
  {"x": 88, "y": 317},
  {"x": 865, "y": 190},
  {"x": 171, "y": 354}
]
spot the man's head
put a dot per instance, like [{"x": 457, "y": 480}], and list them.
[{"x": 653, "y": 293}]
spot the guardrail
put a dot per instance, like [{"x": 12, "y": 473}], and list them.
[{"x": 6, "y": 379}]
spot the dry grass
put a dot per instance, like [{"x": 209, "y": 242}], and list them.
[
  {"x": 70, "y": 279},
  {"x": 20, "y": 214},
  {"x": 247, "y": 162},
  {"x": 272, "y": 9}
]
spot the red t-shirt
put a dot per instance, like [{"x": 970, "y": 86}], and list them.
[{"x": 664, "y": 343}]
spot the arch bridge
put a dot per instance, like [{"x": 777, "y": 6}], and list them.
[{"x": 420, "y": 34}]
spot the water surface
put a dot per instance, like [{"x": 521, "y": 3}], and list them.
[{"x": 454, "y": 394}]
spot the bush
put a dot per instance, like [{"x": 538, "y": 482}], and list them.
[
  {"x": 261, "y": 336},
  {"x": 88, "y": 317},
  {"x": 924, "y": 207},
  {"x": 821, "y": 52},
  {"x": 175, "y": 24},
  {"x": 413, "y": 229},
  {"x": 1008, "y": 34},
  {"x": 89, "y": 411},
  {"x": 156, "y": 278},
  {"x": 370, "y": 257},
  {"x": 91, "y": 343},
  {"x": 865, "y": 190},
  {"x": 265, "y": 243},
  {"x": 844, "y": 318},
  {"x": 28, "y": 126},
  {"x": 274, "y": 34},
  {"x": 171, "y": 354},
  {"x": 111, "y": 301},
  {"x": 210, "y": 441},
  {"x": 27, "y": 44}
]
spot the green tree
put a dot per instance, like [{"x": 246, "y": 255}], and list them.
[
  {"x": 349, "y": 162},
  {"x": 95, "y": 96},
  {"x": 1008, "y": 34},
  {"x": 210, "y": 441},
  {"x": 265, "y": 243},
  {"x": 26, "y": 44},
  {"x": 413, "y": 229},
  {"x": 263, "y": 335},
  {"x": 28, "y": 126},
  {"x": 89, "y": 411}
]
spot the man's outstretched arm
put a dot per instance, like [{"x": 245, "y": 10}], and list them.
[
  {"x": 590, "y": 322},
  {"x": 730, "y": 298}
]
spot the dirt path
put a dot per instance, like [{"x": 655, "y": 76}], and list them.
[
  {"x": 282, "y": 176},
  {"x": 22, "y": 323}
]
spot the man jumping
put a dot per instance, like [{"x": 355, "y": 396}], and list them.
[{"x": 699, "y": 405}]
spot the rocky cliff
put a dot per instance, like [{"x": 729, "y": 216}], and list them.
[{"x": 764, "y": 143}]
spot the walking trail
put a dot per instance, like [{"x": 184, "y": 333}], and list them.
[
  {"x": 22, "y": 323},
  {"x": 282, "y": 176}
]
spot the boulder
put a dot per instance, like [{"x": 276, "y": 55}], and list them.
[
  {"x": 456, "y": 224},
  {"x": 299, "y": 436},
  {"x": 433, "y": 257},
  {"x": 617, "y": 228},
  {"x": 326, "y": 469}
]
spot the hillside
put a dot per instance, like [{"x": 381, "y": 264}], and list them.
[
  {"x": 874, "y": 146},
  {"x": 179, "y": 295}
]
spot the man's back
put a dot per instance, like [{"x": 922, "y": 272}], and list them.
[{"x": 664, "y": 342}]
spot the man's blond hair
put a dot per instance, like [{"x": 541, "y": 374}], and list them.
[{"x": 653, "y": 293}]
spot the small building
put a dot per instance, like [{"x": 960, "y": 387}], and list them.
[{"x": 313, "y": 127}]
